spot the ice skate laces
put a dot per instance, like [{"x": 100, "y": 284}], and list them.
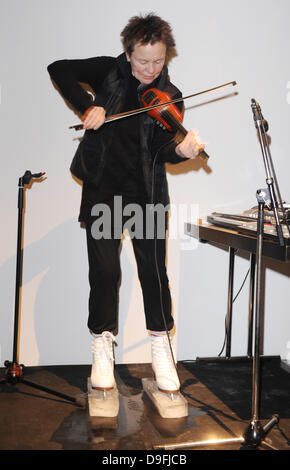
[
  {"x": 162, "y": 359},
  {"x": 103, "y": 350}
]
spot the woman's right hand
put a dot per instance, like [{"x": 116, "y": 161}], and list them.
[{"x": 94, "y": 117}]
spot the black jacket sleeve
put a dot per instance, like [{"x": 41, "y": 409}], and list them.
[{"x": 69, "y": 74}]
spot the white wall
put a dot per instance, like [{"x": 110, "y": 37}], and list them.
[{"x": 217, "y": 42}]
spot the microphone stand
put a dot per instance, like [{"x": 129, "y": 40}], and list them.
[
  {"x": 14, "y": 370},
  {"x": 255, "y": 433},
  {"x": 271, "y": 178}
]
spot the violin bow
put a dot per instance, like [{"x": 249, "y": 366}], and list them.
[{"x": 115, "y": 117}]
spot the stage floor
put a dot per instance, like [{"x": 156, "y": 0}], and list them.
[{"x": 218, "y": 395}]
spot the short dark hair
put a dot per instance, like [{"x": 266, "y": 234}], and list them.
[{"x": 146, "y": 29}]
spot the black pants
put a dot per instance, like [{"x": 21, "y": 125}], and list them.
[{"x": 105, "y": 274}]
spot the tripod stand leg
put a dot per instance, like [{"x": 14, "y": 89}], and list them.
[
  {"x": 14, "y": 374},
  {"x": 49, "y": 390},
  {"x": 274, "y": 420},
  {"x": 206, "y": 443}
]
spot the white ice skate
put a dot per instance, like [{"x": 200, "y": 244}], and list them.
[
  {"x": 103, "y": 397},
  {"x": 165, "y": 391}
]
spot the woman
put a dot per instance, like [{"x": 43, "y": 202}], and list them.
[{"x": 125, "y": 158}]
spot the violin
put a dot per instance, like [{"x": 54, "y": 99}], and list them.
[{"x": 169, "y": 116}]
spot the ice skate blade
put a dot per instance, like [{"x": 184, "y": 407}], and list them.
[
  {"x": 168, "y": 405},
  {"x": 104, "y": 404}
]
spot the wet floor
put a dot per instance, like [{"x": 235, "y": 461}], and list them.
[
  {"x": 34, "y": 420},
  {"x": 137, "y": 426}
]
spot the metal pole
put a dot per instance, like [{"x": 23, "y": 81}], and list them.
[
  {"x": 19, "y": 257},
  {"x": 256, "y": 359},
  {"x": 230, "y": 303},
  {"x": 251, "y": 305}
]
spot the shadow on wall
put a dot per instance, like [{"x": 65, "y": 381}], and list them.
[{"x": 60, "y": 310}]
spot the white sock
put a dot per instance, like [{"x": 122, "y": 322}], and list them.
[{"x": 157, "y": 333}]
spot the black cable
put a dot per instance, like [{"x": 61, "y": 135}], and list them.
[
  {"x": 158, "y": 273},
  {"x": 226, "y": 332},
  {"x": 141, "y": 89},
  {"x": 156, "y": 259}
]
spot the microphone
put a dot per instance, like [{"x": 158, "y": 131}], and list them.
[
  {"x": 258, "y": 116},
  {"x": 27, "y": 177}
]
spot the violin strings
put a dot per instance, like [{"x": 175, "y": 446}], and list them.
[{"x": 172, "y": 121}]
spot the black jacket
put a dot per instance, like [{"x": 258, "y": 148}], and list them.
[{"x": 157, "y": 145}]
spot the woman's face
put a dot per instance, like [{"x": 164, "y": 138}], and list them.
[{"x": 147, "y": 61}]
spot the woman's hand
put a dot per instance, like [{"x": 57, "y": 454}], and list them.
[
  {"x": 94, "y": 117},
  {"x": 191, "y": 145}
]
